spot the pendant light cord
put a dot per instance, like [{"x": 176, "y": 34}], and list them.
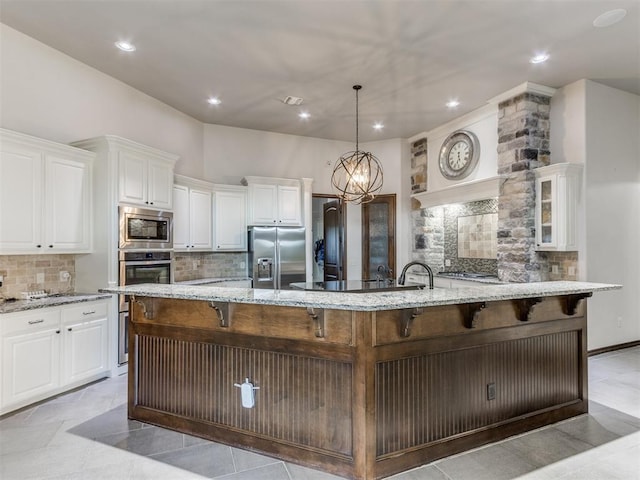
[{"x": 357, "y": 114}]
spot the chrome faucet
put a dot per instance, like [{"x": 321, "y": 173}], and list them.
[{"x": 411, "y": 264}]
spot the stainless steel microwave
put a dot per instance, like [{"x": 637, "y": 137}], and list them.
[{"x": 145, "y": 229}]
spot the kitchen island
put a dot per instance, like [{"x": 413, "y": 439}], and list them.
[{"x": 362, "y": 385}]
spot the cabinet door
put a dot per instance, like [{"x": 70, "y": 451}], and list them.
[
  {"x": 160, "y": 178},
  {"x": 85, "y": 350},
  {"x": 263, "y": 207},
  {"x": 546, "y": 213},
  {"x": 180, "y": 217},
  {"x": 30, "y": 365},
  {"x": 201, "y": 221},
  {"x": 21, "y": 177},
  {"x": 67, "y": 205},
  {"x": 230, "y": 221},
  {"x": 289, "y": 205},
  {"x": 132, "y": 178}
]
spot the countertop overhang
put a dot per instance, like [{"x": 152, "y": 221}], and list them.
[{"x": 373, "y": 301}]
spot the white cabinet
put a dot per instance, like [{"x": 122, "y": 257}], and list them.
[
  {"x": 230, "y": 218},
  {"x": 85, "y": 342},
  {"x": 145, "y": 179},
  {"x": 192, "y": 215},
  {"x": 30, "y": 357},
  {"x": 274, "y": 201},
  {"x": 49, "y": 350},
  {"x": 45, "y": 196},
  {"x": 557, "y": 196}
]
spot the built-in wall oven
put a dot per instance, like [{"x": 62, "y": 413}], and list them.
[{"x": 138, "y": 267}]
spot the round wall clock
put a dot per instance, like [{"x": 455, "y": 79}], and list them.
[{"x": 459, "y": 154}]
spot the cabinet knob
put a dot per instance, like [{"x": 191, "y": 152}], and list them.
[
  {"x": 50, "y": 246},
  {"x": 147, "y": 203},
  {"x": 150, "y": 203},
  {"x": 57, "y": 331},
  {"x": 39, "y": 246},
  {"x": 69, "y": 329}
]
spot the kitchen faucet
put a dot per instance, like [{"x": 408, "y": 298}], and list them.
[{"x": 410, "y": 264}]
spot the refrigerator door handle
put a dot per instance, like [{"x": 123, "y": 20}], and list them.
[{"x": 276, "y": 273}]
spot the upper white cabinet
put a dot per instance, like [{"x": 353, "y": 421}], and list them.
[
  {"x": 192, "y": 215},
  {"x": 557, "y": 196},
  {"x": 274, "y": 201},
  {"x": 145, "y": 179},
  {"x": 45, "y": 196},
  {"x": 230, "y": 218}
]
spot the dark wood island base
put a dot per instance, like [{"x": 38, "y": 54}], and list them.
[{"x": 361, "y": 394}]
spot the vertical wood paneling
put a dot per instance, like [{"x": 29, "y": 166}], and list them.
[
  {"x": 301, "y": 400},
  {"x": 427, "y": 398}
]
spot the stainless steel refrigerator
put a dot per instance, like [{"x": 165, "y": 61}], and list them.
[{"x": 276, "y": 256}]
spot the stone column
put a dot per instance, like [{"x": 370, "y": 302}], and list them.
[{"x": 523, "y": 145}]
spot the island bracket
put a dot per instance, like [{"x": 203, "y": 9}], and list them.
[
  {"x": 149, "y": 306},
  {"x": 470, "y": 312},
  {"x": 223, "y": 311},
  {"x": 571, "y": 302},
  {"x": 408, "y": 314},
  {"x": 317, "y": 316},
  {"x": 525, "y": 306}
]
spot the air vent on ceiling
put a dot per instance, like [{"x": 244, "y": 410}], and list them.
[{"x": 289, "y": 100}]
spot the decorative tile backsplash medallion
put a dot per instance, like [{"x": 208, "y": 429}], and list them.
[
  {"x": 453, "y": 242},
  {"x": 478, "y": 236}
]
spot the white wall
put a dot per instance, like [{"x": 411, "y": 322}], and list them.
[
  {"x": 50, "y": 95},
  {"x": 600, "y": 127}
]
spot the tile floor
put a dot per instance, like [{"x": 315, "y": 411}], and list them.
[{"x": 86, "y": 435}]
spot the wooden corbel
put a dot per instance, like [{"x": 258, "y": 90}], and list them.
[
  {"x": 317, "y": 316},
  {"x": 470, "y": 312},
  {"x": 408, "y": 314},
  {"x": 571, "y": 302},
  {"x": 525, "y": 307},
  {"x": 223, "y": 311},
  {"x": 149, "y": 306}
]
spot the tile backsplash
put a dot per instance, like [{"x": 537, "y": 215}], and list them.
[
  {"x": 21, "y": 274},
  {"x": 196, "y": 265}
]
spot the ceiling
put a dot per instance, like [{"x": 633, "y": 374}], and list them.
[{"x": 411, "y": 56}]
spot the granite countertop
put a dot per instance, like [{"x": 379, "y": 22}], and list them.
[
  {"x": 211, "y": 281},
  {"x": 370, "y": 301},
  {"x": 52, "y": 301}
]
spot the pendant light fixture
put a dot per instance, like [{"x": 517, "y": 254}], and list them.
[{"x": 357, "y": 175}]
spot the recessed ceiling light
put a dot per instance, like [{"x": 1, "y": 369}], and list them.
[
  {"x": 304, "y": 115},
  {"x": 609, "y": 18},
  {"x": 453, "y": 103},
  {"x": 378, "y": 126},
  {"x": 289, "y": 100},
  {"x": 214, "y": 101},
  {"x": 539, "y": 58},
  {"x": 126, "y": 46}
]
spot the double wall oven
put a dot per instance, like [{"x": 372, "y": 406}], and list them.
[{"x": 145, "y": 256}]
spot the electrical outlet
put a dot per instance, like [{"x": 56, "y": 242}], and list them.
[
  {"x": 619, "y": 322},
  {"x": 39, "y": 277},
  {"x": 491, "y": 391},
  {"x": 447, "y": 263},
  {"x": 242, "y": 265},
  {"x": 554, "y": 269},
  {"x": 571, "y": 271}
]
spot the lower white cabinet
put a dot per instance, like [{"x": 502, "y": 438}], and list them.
[{"x": 47, "y": 351}]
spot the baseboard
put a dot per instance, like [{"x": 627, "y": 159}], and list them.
[{"x": 613, "y": 348}]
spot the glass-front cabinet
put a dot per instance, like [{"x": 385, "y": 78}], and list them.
[{"x": 557, "y": 197}]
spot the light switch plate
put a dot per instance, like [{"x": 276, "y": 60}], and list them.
[{"x": 39, "y": 277}]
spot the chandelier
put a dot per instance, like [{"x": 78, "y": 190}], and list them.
[{"x": 357, "y": 175}]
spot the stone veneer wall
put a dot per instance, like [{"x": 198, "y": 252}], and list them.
[
  {"x": 419, "y": 166},
  {"x": 196, "y": 265},
  {"x": 523, "y": 145},
  {"x": 428, "y": 236},
  {"x": 19, "y": 272}
]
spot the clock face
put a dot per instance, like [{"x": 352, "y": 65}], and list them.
[{"x": 459, "y": 155}]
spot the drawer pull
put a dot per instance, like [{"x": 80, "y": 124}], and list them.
[
  {"x": 34, "y": 322},
  {"x": 91, "y": 312}
]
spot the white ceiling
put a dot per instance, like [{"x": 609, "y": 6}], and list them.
[{"x": 410, "y": 56}]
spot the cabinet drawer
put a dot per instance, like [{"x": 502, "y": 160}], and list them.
[
  {"x": 84, "y": 312},
  {"x": 32, "y": 321}
]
